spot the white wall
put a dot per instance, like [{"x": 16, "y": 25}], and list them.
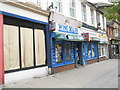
[
  {"x": 22, "y": 12},
  {"x": 26, "y": 74}
]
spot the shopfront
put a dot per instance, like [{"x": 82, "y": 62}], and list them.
[
  {"x": 90, "y": 47},
  {"x": 24, "y": 43},
  {"x": 66, "y": 43},
  {"x": 103, "y": 46}
]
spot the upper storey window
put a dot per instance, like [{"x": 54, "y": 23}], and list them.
[
  {"x": 92, "y": 16},
  {"x": 83, "y": 7},
  {"x": 72, "y": 8},
  {"x": 57, "y": 5}
]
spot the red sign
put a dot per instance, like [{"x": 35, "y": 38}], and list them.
[{"x": 86, "y": 35}]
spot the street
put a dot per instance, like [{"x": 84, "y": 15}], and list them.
[{"x": 103, "y": 74}]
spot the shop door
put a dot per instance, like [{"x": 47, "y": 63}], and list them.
[{"x": 78, "y": 54}]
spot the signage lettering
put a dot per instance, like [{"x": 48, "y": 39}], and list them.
[{"x": 67, "y": 29}]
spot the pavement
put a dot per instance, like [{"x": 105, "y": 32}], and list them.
[
  {"x": 1, "y": 87},
  {"x": 103, "y": 74}
]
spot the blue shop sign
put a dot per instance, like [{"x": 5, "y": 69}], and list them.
[{"x": 67, "y": 29}]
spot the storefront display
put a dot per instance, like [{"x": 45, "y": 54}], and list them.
[
  {"x": 64, "y": 45},
  {"x": 90, "y": 50}
]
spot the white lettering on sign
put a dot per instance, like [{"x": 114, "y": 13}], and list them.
[{"x": 67, "y": 29}]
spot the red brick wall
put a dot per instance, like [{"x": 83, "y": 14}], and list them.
[
  {"x": 64, "y": 68},
  {"x": 96, "y": 60},
  {"x": 72, "y": 66},
  {"x": 92, "y": 61},
  {"x": 102, "y": 58}
]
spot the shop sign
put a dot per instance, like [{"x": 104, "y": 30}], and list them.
[
  {"x": 103, "y": 37},
  {"x": 86, "y": 35},
  {"x": 90, "y": 36},
  {"x": 66, "y": 29}
]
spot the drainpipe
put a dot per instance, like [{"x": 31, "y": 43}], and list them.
[{"x": 51, "y": 44}]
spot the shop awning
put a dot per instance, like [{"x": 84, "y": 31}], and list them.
[
  {"x": 94, "y": 39},
  {"x": 68, "y": 37},
  {"x": 104, "y": 42}
]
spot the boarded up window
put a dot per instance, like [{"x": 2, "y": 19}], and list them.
[
  {"x": 26, "y": 47},
  {"x": 11, "y": 47},
  {"x": 40, "y": 47}
]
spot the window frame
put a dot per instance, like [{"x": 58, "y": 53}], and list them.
[
  {"x": 102, "y": 49},
  {"x": 83, "y": 12},
  {"x": 92, "y": 16},
  {"x": 95, "y": 50},
  {"x": 58, "y": 3},
  {"x": 27, "y": 24},
  {"x": 72, "y": 7}
]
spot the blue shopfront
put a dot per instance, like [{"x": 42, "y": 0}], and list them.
[
  {"x": 90, "y": 48},
  {"x": 66, "y": 46},
  {"x": 90, "y": 51}
]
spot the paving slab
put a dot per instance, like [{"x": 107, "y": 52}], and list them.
[{"x": 98, "y": 75}]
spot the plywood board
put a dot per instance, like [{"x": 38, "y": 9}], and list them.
[
  {"x": 40, "y": 47},
  {"x": 11, "y": 47},
  {"x": 26, "y": 47}
]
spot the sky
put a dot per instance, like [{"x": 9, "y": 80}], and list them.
[{"x": 94, "y": 1}]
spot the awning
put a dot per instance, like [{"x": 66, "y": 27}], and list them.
[
  {"x": 68, "y": 37},
  {"x": 104, "y": 42},
  {"x": 94, "y": 39}
]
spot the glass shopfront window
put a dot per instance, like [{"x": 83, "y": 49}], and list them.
[
  {"x": 58, "y": 53},
  {"x": 63, "y": 53},
  {"x": 90, "y": 50},
  {"x": 101, "y": 50},
  {"x": 67, "y": 51},
  {"x": 93, "y": 50}
]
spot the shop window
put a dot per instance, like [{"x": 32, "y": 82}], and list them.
[
  {"x": 59, "y": 53},
  {"x": 99, "y": 50},
  {"x": 27, "y": 47},
  {"x": 89, "y": 51},
  {"x": 24, "y": 44},
  {"x": 93, "y": 50},
  {"x": 68, "y": 51},
  {"x": 103, "y": 50},
  {"x": 40, "y": 53},
  {"x": 11, "y": 47}
]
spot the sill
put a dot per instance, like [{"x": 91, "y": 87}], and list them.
[
  {"x": 63, "y": 64},
  {"x": 22, "y": 69},
  {"x": 101, "y": 56},
  {"x": 91, "y": 58}
]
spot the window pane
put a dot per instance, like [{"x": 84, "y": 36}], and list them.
[
  {"x": 72, "y": 8},
  {"x": 40, "y": 53},
  {"x": 72, "y": 12},
  {"x": 58, "y": 6},
  {"x": 99, "y": 50},
  {"x": 83, "y": 7},
  {"x": 93, "y": 50},
  {"x": 103, "y": 50},
  {"x": 89, "y": 51},
  {"x": 58, "y": 53},
  {"x": 67, "y": 51},
  {"x": 26, "y": 47},
  {"x": 92, "y": 16},
  {"x": 11, "y": 47}
]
